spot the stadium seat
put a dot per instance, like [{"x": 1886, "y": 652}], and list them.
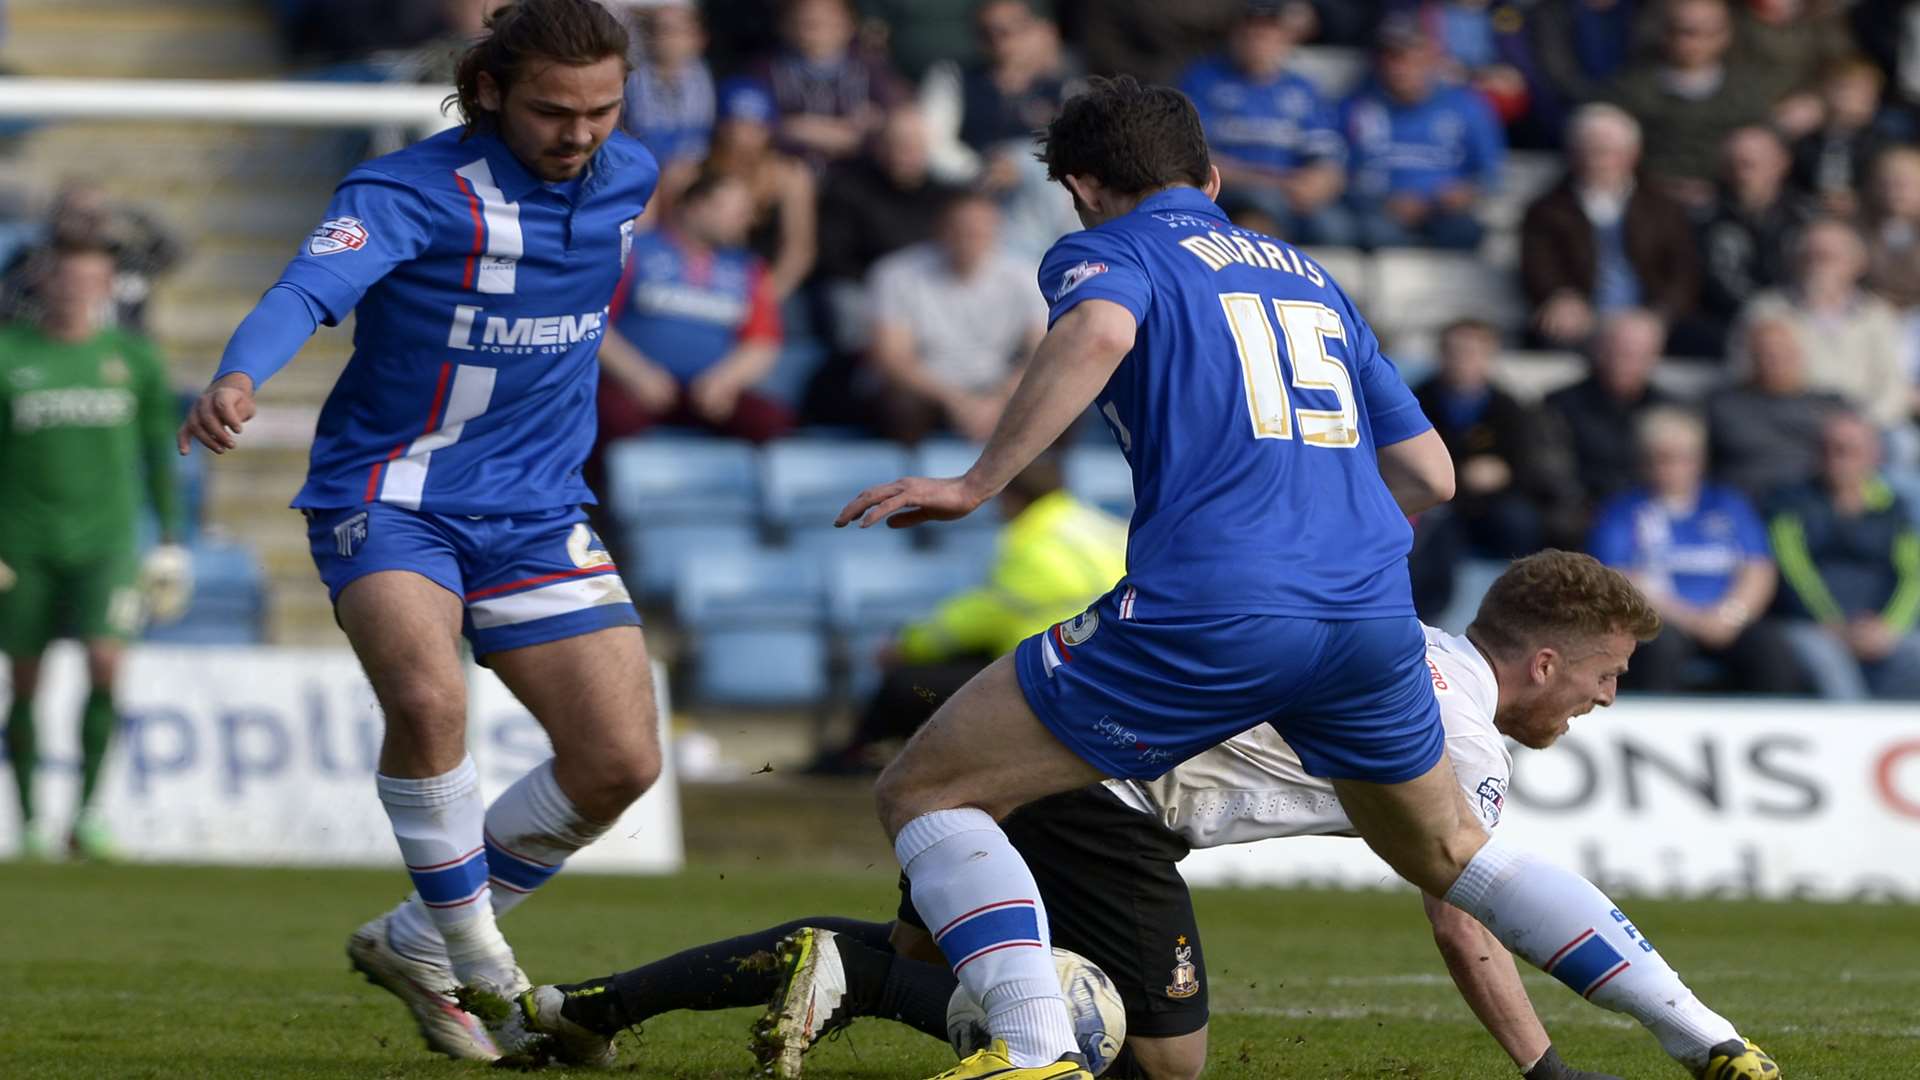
[
  {"x": 1101, "y": 477},
  {"x": 807, "y": 481},
  {"x": 1471, "y": 580},
  {"x": 757, "y": 587},
  {"x": 659, "y": 552},
  {"x": 761, "y": 666},
  {"x": 823, "y": 543},
  {"x": 671, "y": 478},
  {"x": 873, "y": 592},
  {"x": 1350, "y": 268},
  {"x": 980, "y": 545},
  {"x": 1525, "y": 177},
  {"x": 1421, "y": 291},
  {"x": 229, "y": 605}
]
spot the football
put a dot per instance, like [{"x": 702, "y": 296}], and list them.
[{"x": 1099, "y": 1019}]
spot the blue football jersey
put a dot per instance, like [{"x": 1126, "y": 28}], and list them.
[
  {"x": 480, "y": 296},
  {"x": 1250, "y": 409}
]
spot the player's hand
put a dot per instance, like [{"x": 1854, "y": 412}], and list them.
[
  {"x": 166, "y": 580},
  {"x": 1551, "y": 1067},
  {"x": 7, "y": 577},
  {"x": 910, "y": 501},
  {"x": 219, "y": 415}
]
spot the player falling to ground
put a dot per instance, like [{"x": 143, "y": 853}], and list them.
[
  {"x": 85, "y": 414},
  {"x": 1549, "y": 642},
  {"x": 444, "y": 492},
  {"x": 1275, "y": 456}
]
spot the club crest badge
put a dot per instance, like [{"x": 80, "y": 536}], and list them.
[
  {"x": 1186, "y": 977},
  {"x": 1081, "y": 627},
  {"x": 336, "y": 235},
  {"x": 350, "y": 534}
]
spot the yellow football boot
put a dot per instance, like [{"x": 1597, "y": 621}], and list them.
[
  {"x": 993, "y": 1063},
  {"x": 1738, "y": 1059}
]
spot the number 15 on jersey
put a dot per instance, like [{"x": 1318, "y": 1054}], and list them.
[{"x": 1307, "y": 328}]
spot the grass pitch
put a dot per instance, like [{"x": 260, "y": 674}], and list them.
[{"x": 220, "y": 974}]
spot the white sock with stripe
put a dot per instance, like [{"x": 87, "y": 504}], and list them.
[
  {"x": 976, "y": 894},
  {"x": 437, "y": 821},
  {"x": 1567, "y": 928},
  {"x": 531, "y": 829}
]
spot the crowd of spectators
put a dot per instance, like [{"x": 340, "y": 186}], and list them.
[{"x": 850, "y": 210}]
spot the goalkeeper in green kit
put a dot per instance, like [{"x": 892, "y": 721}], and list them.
[{"x": 86, "y": 437}]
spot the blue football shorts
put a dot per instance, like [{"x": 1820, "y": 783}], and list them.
[
  {"x": 525, "y": 579},
  {"x": 1134, "y": 698}
]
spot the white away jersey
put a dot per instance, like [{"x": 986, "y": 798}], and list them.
[{"x": 1253, "y": 787}]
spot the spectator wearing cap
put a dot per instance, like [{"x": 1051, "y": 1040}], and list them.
[
  {"x": 1831, "y": 162},
  {"x": 954, "y": 321},
  {"x": 1764, "y": 434},
  {"x": 785, "y": 227},
  {"x": 1420, "y": 153},
  {"x": 1273, "y": 136},
  {"x": 1599, "y": 412},
  {"x": 669, "y": 95},
  {"x": 1746, "y": 238},
  {"x": 1850, "y": 337},
  {"x": 830, "y": 94},
  {"x": 694, "y": 325},
  {"x": 1601, "y": 241},
  {"x": 1850, "y": 558},
  {"x": 1698, "y": 552},
  {"x": 1691, "y": 98}
]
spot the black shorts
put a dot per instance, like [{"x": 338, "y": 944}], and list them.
[{"x": 1106, "y": 874}]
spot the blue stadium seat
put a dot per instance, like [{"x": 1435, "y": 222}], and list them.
[
  {"x": 658, "y": 553},
  {"x": 761, "y": 666},
  {"x": 659, "y": 479},
  {"x": 229, "y": 599},
  {"x": 1101, "y": 477},
  {"x": 871, "y": 592},
  {"x": 758, "y": 587},
  {"x": 807, "y": 481},
  {"x": 1471, "y": 580},
  {"x": 978, "y": 545},
  {"x": 823, "y": 543}
]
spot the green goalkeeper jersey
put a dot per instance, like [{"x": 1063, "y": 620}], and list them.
[{"x": 86, "y": 435}]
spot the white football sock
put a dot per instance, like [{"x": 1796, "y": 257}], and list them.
[
  {"x": 977, "y": 896},
  {"x": 531, "y": 829},
  {"x": 1569, "y": 929},
  {"x": 437, "y": 821}
]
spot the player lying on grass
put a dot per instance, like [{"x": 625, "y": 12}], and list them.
[{"x": 1549, "y": 642}]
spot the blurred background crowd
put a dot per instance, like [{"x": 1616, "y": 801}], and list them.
[{"x": 1652, "y": 267}]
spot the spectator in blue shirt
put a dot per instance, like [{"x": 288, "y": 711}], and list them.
[
  {"x": 670, "y": 102},
  {"x": 1851, "y": 560},
  {"x": 1273, "y": 136},
  {"x": 1699, "y": 553},
  {"x": 1421, "y": 153}
]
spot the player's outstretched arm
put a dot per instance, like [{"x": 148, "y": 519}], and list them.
[
  {"x": 1487, "y": 978},
  {"x": 1418, "y": 471},
  {"x": 1068, "y": 370}
]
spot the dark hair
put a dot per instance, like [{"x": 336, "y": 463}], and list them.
[
  {"x": 1131, "y": 137},
  {"x": 577, "y": 32},
  {"x": 1555, "y": 598},
  {"x": 91, "y": 242}
]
